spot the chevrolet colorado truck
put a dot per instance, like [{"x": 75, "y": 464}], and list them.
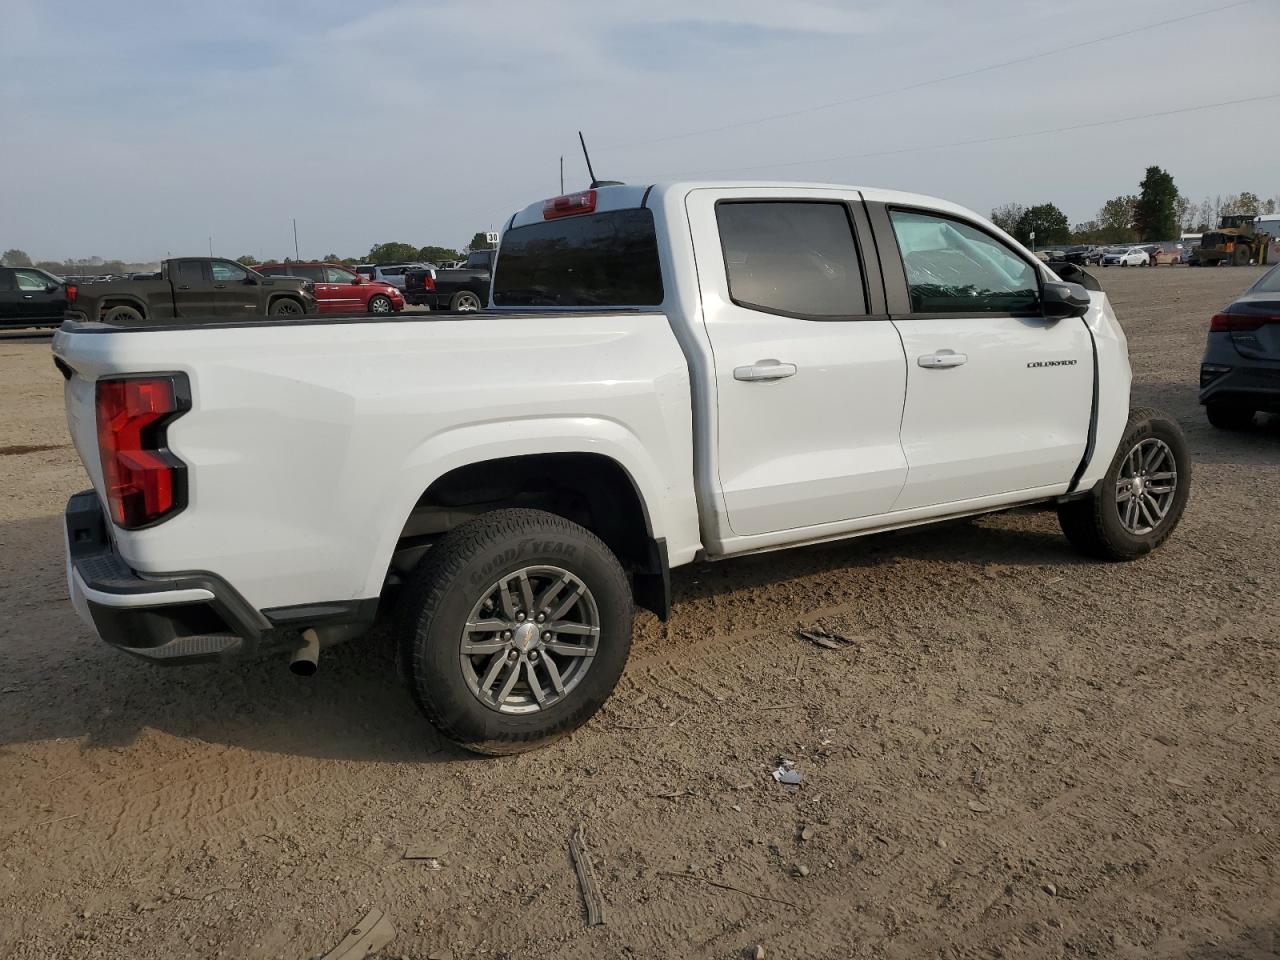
[
  {"x": 668, "y": 374},
  {"x": 190, "y": 288}
]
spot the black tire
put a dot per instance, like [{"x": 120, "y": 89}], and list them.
[
  {"x": 464, "y": 301},
  {"x": 380, "y": 304},
  {"x": 123, "y": 315},
  {"x": 1240, "y": 256},
  {"x": 455, "y": 575},
  {"x": 286, "y": 307},
  {"x": 1229, "y": 416},
  {"x": 1093, "y": 523}
]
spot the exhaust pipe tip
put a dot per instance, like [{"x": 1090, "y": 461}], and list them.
[{"x": 306, "y": 659}]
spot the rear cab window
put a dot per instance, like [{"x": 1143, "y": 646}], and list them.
[{"x": 605, "y": 259}]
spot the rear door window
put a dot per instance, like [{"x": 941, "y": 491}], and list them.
[
  {"x": 599, "y": 260},
  {"x": 189, "y": 271},
  {"x": 798, "y": 259},
  {"x": 314, "y": 274}
]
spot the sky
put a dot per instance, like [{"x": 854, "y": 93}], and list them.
[{"x": 136, "y": 130}]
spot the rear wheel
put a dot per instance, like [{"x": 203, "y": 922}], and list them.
[
  {"x": 464, "y": 301},
  {"x": 514, "y": 630},
  {"x": 286, "y": 307},
  {"x": 1240, "y": 255},
  {"x": 1142, "y": 497},
  {"x": 1229, "y": 416},
  {"x": 380, "y": 304},
  {"x": 123, "y": 315}
]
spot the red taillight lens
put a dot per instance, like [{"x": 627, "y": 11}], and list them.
[
  {"x": 144, "y": 481},
  {"x": 429, "y": 282},
  {"x": 72, "y": 292},
  {"x": 1238, "y": 322},
  {"x": 570, "y": 205}
]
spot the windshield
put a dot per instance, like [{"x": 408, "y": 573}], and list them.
[{"x": 603, "y": 260}]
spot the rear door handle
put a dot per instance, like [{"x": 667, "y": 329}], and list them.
[
  {"x": 765, "y": 370},
  {"x": 184, "y": 286},
  {"x": 219, "y": 286},
  {"x": 942, "y": 359}
]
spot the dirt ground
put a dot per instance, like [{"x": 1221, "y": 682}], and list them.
[{"x": 1023, "y": 754}]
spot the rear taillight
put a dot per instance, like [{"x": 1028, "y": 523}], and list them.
[
  {"x": 429, "y": 282},
  {"x": 1239, "y": 322},
  {"x": 569, "y": 205},
  {"x": 72, "y": 292},
  {"x": 144, "y": 482}
]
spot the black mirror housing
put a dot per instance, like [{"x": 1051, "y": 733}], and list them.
[{"x": 1061, "y": 301}]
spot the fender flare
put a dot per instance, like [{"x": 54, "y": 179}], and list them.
[{"x": 479, "y": 442}]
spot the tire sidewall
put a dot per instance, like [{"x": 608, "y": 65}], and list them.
[
  {"x": 128, "y": 314},
  {"x": 379, "y": 298},
  {"x": 435, "y": 670},
  {"x": 1131, "y": 543},
  {"x": 285, "y": 307}
]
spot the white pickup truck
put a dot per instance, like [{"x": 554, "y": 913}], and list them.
[{"x": 668, "y": 373}]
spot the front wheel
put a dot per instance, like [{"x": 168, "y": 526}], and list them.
[
  {"x": 380, "y": 304},
  {"x": 1139, "y": 502},
  {"x": 286, "y": 307},
  {"x": 514, "y": 630},
  {"x": 464, "y": 301}
]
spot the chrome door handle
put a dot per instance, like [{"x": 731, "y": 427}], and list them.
[
  {"x": 942, "y": 359},
  {"x": 765, "y": 370}
]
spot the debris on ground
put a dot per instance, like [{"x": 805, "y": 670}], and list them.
[
  {"x": 825, "y": 639},
  {"x": 367, "y": 937},
  {"x": 786, "y": 773},
  {"x": 757, "y": 953},
  {"x": 806, "y": 833},
  {"x": 581, "y": 857},
  {"x": 430, "y": 857},
  {"x": 977, "y": 806}
]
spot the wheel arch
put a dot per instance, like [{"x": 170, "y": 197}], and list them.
[
  {"x": 606, "y": 486},
  {"x": 121, "y": 300}
]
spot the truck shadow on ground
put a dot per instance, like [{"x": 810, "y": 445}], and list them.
[{"x": 64, "y": 683}]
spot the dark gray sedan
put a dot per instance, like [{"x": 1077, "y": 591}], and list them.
[{"x": 1240, "y": 373}]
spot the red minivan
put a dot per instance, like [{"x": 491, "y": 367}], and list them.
[{"x": 340, "y": 289}]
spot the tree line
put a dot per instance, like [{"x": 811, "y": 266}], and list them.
[
  {"x": 379, "y": 253},
  {"x": 1157, "y": 212}
]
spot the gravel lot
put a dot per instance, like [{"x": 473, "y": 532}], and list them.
[{"x": 1022, "y": 754}]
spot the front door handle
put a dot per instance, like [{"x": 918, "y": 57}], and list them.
[
  {"x": 765, "y": 370},
  {"x": 184, "y": 286},
  {"x": 942, "y": 359}
]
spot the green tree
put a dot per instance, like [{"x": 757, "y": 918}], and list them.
[
  {"x": 332, "y": 258},
  {"x": 248, "y": 260},
  {"x": 1046, "y": 221},
  {"x": 1007, "y": 215},
  {"x": 1115, "y": 220},
  {"x": 15, "y": 258},
  {"x": 392, "y": 253},
  {"x": 437, "y": 254},
  {"x": 479, "y": 242},
  {"x": 1155, "y": 214}
]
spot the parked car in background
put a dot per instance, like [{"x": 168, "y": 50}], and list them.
[
  {"x": 1240, "y": 371},
  {"x": 204, "y": 287},
  {"x": 340, "y": 289},
  {"x": 665, "y": 379},
  {"x": 1126, "y": 257},
  {"x": 1082, "y": 254},
  {"x": 392, "y": 273},
  {"x": 463, "y": 290},
  {"x": 30, "y": 297}
]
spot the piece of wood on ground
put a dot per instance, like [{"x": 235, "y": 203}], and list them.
[
  {"x": 367, "y": 937},
  {"x": 581, "y": 857}
]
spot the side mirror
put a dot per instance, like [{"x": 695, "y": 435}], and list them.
[
  {"x": 50, "y": 287},
  {"x": 1061, "y": 301},
  {"x": 360, "y": 278},
  {"x": 251, "y": 280}
]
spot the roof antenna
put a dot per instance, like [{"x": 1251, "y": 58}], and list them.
[{"x": 594, "y": 182}]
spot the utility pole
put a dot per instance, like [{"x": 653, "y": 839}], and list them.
[
  {"x": 211, "y": 248},
  {"x": 562, "y": 174},
  {"x": 296, "y": 255}
]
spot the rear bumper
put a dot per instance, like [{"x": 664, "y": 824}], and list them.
[
  {"x": 178, "y": 619},
  {"x": 1231, "y": 378}
]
